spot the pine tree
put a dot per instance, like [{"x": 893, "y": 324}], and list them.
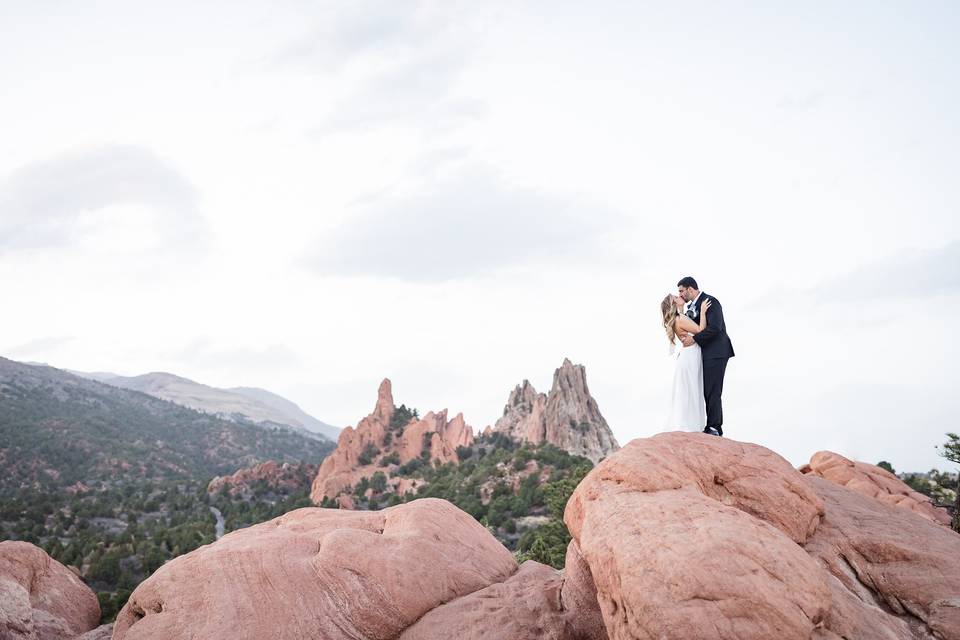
[{"x": 951, "y": 451}]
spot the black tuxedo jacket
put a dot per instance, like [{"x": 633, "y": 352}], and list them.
[{"x": 713, "y": 341}]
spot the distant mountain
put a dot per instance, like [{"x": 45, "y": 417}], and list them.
[
  {"x": 241, "y": 403},
  {"x": 289, "y": 409},
  {"x": 58, "y": 429}
]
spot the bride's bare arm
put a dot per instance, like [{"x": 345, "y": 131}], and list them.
[{"x": 687, "y": 325}]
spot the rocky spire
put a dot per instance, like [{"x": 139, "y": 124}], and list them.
[
  {"x": 384, "y": 409},
  {"x": 568, "y": 417},
  {"x": 523, "y": 414}
]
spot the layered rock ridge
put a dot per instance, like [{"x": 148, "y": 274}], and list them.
[
  {"x": 568, "y": 417},
  {"x": 692, "y": 536},
  {"x": 382, "y": 442},
  {"x": 870, "y": 480}
]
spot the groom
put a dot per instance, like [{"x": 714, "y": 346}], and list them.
[{"x": 715, "y": 347}]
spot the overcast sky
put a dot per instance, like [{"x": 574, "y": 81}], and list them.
[{"x": 309, "y": 197}]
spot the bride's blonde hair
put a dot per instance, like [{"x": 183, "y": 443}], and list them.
[{"x": 669, "y": 311}]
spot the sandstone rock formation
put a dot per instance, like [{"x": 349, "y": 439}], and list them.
[
  {"x": 536, "y": 602},
  {"x": 40, "y": 599},
  {"x": 326, "y": 573},
  {"x": 568, "y": 417},
  {"x": 693, "y": 536},
  {"x": 875, "y": 482},
  {"x": 432, "y": 437},
  {"x": 890, "y": 559},
  {"x": 286, "y": 476},
  {"x": 103, "y": 632}
]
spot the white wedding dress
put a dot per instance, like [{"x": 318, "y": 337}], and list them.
[{"x": 688, "y": 409}]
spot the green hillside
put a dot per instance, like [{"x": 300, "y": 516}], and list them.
[
  {"x": 112, "y": 481},
  {"x": 57, "y": 429}
]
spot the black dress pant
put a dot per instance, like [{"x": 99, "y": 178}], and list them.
[{"x": 713, "y": 371}]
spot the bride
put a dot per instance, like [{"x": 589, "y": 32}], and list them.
[{"x": 688, "y": 410}]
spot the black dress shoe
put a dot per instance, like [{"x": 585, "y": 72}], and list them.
[{"x": 711, "y": 431}]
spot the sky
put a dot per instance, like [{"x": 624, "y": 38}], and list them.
[{"x": 310, "y": 197}]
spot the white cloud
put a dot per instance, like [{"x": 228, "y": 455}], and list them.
[
  {"x": 38, "y": 347},
  {"x": 209, "y": 353},
  {"x": 401, "y": 62},
  {"x": 467, "y": 225},
  {"x": 916, "y": 273},
  {"x": 415, "y": 91},
  {"x": 52, "y": 201},
  {"x": 341, "y": 33}
]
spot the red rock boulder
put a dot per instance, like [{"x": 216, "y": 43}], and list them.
[
  {"x": 319, "y": 573},
  {"x": 693, "y": 536},
  {"x": 875, "y": 482},
  {"x": 536, "y": 603},
  {"x": 891, "y": 561},
  {"x": 103, "y": 632},
  {"x": 40, "y": 599}
]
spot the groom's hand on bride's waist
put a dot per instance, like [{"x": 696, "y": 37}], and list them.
[{"x": 687, "y": 340}]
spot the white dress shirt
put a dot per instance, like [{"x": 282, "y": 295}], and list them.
[{"x": 692, "y": 303}]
